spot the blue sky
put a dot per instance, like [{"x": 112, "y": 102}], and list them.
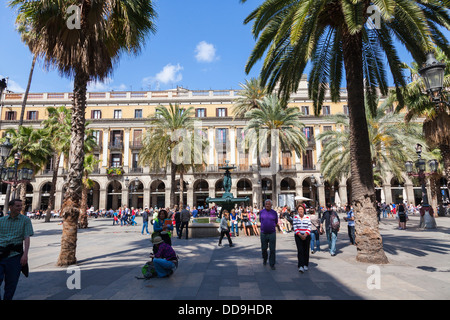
[{"x": 199, "y": 45}]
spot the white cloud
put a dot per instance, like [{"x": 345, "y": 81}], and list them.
[
  {"x": 104, "y": 86},
  {"x": 13, "y": 85},
  {"x": 169, "y": 74},
  {"x": 206, "y": 52}
]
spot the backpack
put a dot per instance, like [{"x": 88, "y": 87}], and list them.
[
  {"x": 334, "y": 221},
  {"x": 148, "y": 270}
]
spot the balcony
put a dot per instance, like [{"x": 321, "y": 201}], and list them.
[
  {"x": 136, "y": 144},
  {"x": 115, "y": 145}
]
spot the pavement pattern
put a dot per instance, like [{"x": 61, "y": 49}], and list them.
[{"x": 110, "y": 259}]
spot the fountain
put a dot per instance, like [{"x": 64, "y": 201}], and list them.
[{"x": 227, "y": 201}]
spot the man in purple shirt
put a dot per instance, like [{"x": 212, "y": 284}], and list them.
[{"x": 269, "y": 219}]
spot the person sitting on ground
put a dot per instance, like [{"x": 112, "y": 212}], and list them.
[{"x": 165, "y": 259}]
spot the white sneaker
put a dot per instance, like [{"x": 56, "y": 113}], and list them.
[
  {"x": 301, "y": 270},
  {"x": 305, "y": 268}
]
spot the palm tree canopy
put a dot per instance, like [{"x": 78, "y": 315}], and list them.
[
  {"x": 168, "y": 130},
  {"x": 392, "y": 144},
  {"x": 107, "y": 28},
  {"x": 272, "y": 117},
  {"x": 294, "y": 32},
  {"x": 32, "y": 144},
  {"x": 252, "y": 91}
]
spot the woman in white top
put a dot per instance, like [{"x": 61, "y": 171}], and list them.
[{"x": 302, "y": 229}]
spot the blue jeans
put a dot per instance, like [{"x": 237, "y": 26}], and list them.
[
  {"x": 234, "y": 228},
  {"x": 163, "y": 267},
  {"x": 315, "y": 242},
  {"x": 145, "y": 227},
  {"x": 10, "y": 272},
  {"x": 332, "y": 237},
  {"x": 384, "y": 214},
  {"x": 268, "y": 240}
]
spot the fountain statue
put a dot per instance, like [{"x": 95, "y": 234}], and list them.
[{"x": 227, "y": 201}]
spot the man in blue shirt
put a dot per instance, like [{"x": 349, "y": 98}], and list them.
[
  {"x": 269, "y": 219},
  {"x": 195, "y": 212},
  {"x": 350, "y": 224}
]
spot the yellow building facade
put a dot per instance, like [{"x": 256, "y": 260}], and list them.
[{"x": 120, "y": 120}]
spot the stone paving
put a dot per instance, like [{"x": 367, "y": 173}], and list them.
[{"x": 110, "y": 260}]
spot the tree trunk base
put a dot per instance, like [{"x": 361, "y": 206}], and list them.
[
  {"x": 67, "y": 255},
  {"x": 368, "y": 239}
]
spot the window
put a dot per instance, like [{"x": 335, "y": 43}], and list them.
[
  {"x": 308, "y": 160},
  {"x": 116, "y": 160},
  {"x": 200, "y": 112},
  {"x": 10, "y": 115},
  {"x": 305, "y": 110},
  {"x": 32, "y": 115},
  {"x": 345, "y": 109},
  {"x": 98, "y": 136},
  {"x": 96, "y": 114},
  {"x": 135, "y": 160},
  {"x": 138, "y": 113},
  {"x": 326, "y": 110},
  {"x": 309, "y": 132},
  {"x": 221, "y": 112},
  {"x": 221, "y": 136},
  {"x": 117, "y": 114}
]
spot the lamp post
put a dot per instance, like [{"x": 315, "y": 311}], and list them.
[
  {"x": 12, "y": 175},
  {"x": 420, "y": 165},
  {"x": 315, "y": 184}
]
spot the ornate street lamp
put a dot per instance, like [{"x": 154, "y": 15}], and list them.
[
  {"x": 420, "y": 165},
  {"x": 433, "y": 77}
]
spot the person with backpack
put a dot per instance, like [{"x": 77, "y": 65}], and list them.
[{"x": 332, "y": 225}]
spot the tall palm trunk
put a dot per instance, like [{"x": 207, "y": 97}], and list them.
[
  {"x": 368, "y": 238},
  {"x": 72, "y": 199},
  {"x": 173, "y": 170},
  {"x": 181, "y": 190},
  {"x": 51, "y": 201},
  {"x": 83, "y": 218},
  {"x": 27, "y": 90}
]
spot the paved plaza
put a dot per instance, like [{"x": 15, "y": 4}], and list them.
[{"x": 110, "y": 260}]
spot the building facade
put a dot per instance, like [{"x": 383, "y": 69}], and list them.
[{"x": 120, "y": 120}]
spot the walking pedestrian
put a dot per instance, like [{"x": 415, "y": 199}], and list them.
[
  {"x": 145, "y": 215},
  {"x": 269, "y": 220},
  {"x": 15, "y": 232},
  {"x": 185, "y": 216},
  {"x": 331, "y": 219},
  {"x": 401, "y": 217},
  {"x": 177, "y": 219},
  {"x": 315, "y": 231},
  {"x": 350, "y": 218},
  {"x": 224, "y": 229},
  {"x": 302, "y": 231}
]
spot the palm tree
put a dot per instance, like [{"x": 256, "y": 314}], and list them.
[
  {"x": 334, "y": 36},
  {"x": 252, "y": 92},
  {"x": 392, "y": 142},
  {"x": 57, "y": 127},
  {"x": 88, "y": 53},
  {"x": 273, "y": 126},
  {"x": 170, "y": 142},
  {"x": 34, "y": 149}
]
